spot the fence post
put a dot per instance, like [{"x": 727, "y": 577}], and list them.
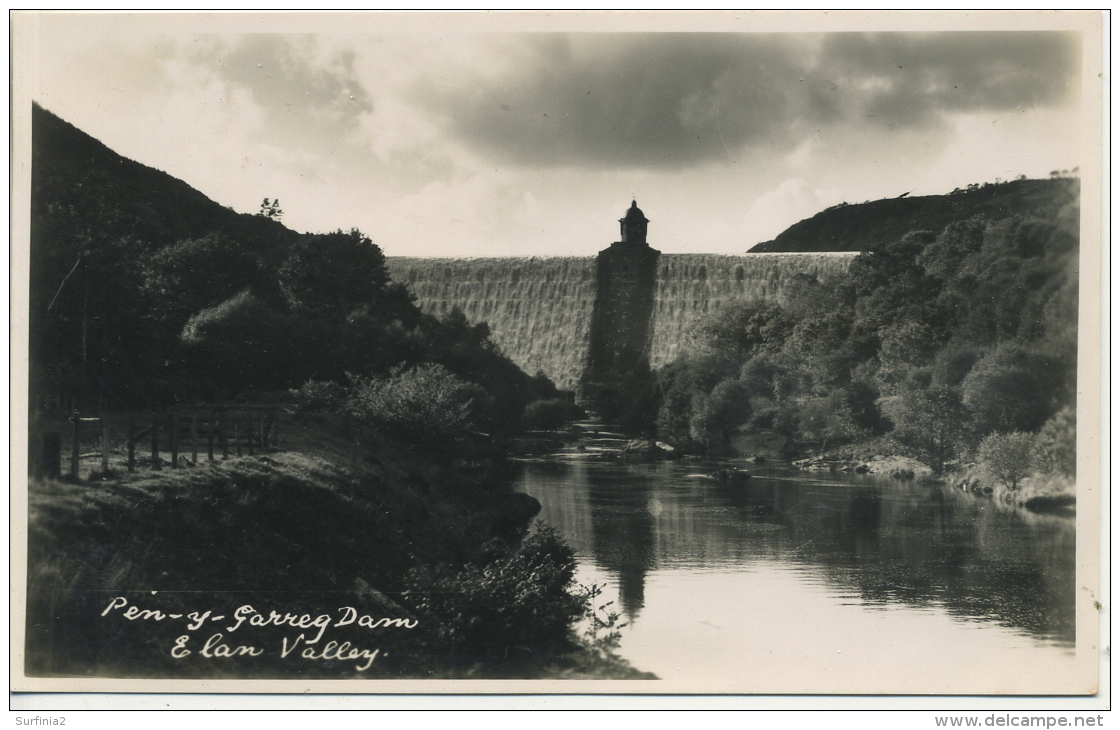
[
  {"x": 264, "y": 434},
  {"x": 222, "y": 433},
  {"x": 210, "y": 425},
  {"x": 131, "y": 442},
  {"x": 194, "y": 439},
  {"x": 236, "y": 441},
  {"x": 104, "y": 448},
  {"x": 52, "y": 454},
  {"x": 156, "y": 466},
  {"x": 174, "y": 436},
  {"x": 75, "y": 451},
  {"x": 249, "y": 428}
]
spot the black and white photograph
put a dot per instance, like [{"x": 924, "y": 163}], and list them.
[{"x": 692, "y": 353}]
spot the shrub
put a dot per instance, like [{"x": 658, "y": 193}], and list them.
[
  {"x": 426, "y": 404},
  {"x": 1006, "y": 458},
  {"x": 512, "y": 605},
  {"x": 319, "y": 395}
]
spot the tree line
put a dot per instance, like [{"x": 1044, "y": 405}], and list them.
[
  {"x": 938, "y": 343},
  {"x": 144, "y": 293}
]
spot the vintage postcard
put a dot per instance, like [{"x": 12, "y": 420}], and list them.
[{"x": 558, "y": 353}]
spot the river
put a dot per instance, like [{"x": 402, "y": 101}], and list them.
[{"x": 816, "y": 582}]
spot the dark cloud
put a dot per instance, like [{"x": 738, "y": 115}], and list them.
[
  {"x": 913, "y": 79},
  {"x": 296, "y": 86},
  {"x": 676, "y": 100}
]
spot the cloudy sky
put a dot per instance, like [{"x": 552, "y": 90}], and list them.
[{"x": 435, "y": 142}]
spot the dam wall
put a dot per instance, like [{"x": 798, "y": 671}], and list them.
[
  {"x": 540, "y": 310},
  {"x": 593, "y": 325},
  {"x": 690, "y": 286}
]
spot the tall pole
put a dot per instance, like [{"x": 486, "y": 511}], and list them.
[
  {"x": 155, "y": 443},
  {"x": 131, "y": 442},
  {"x": 75, "y": 451},
  {"x": 104, "y": 448}
]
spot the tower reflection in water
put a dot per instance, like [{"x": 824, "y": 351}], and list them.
[
  {"x": 891, "y": 543},
  {"x": 623, "y": 532}
]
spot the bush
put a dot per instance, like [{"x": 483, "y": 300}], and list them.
[
  {"x": 511, "y": 606},
  {"x": 425, "y": 405},
  {"x": 1006, "y": 458},
  {"x": 551, "y": 413},
  {"x": 319, "y": 395}
]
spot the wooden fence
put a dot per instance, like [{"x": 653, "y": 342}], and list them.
[{"x": 215, "y": 432}]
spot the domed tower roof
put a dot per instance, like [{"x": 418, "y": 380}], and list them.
[{"x": 634, "y": 225}]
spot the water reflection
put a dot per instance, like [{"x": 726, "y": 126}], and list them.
[
  {"x": 623, "y": 531},
  {"x": 885, "y": 543}
]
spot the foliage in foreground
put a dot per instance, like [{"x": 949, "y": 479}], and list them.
[{"x": 308, "y": 535}]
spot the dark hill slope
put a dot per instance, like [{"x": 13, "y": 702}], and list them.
[
  {"x": 144, "y": 292},
  {"x": 864, "y": 226},
  {"x": 107, "y": 236},
  {"x": 117, "y": 196}
]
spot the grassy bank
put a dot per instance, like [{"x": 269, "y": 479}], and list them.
[{"x": 341, "y": 554}]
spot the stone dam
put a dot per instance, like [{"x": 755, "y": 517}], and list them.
[{"x": 577, "y": 317}]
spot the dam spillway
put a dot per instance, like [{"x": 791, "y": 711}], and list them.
[
  {"x": 539, "y": 309},
  {"x": 587, "y": 320},
  {"x": 690, "y": 286}
]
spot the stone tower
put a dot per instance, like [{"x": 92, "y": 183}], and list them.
[
  {"x": 621, "y": 320},
  {"x": 634, "y": 225}
]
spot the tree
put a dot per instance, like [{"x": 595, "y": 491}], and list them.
[
  {"x": 1011, "y": 389},
  {"x": 739, "y": 329},
  {"x": 714, "y": 416},
  {"x": 930, "y": 421},
  {"x": 826, "y": 421},
  {"x": 680, "y": 384},
  {"x": 942, "y": 258},
  {"x": 1006, "y": 457},
  {"x": 271, "y": 210},
  {"x": 333, "y": 274},
  {"x": 1055, "y": 446}
]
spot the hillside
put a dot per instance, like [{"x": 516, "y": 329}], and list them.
[
  {"x": 118, "y": 196},
  {"x": 863, "y": 226},
  {"x": 115, "y": 268},
  {"x": 144, "y": 293}
]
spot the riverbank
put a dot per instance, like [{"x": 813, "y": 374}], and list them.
[
  {"x": 341, "y": 554},
  {"x": 1036, "y": 492},
  {"x": 883, "y": 456}
]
